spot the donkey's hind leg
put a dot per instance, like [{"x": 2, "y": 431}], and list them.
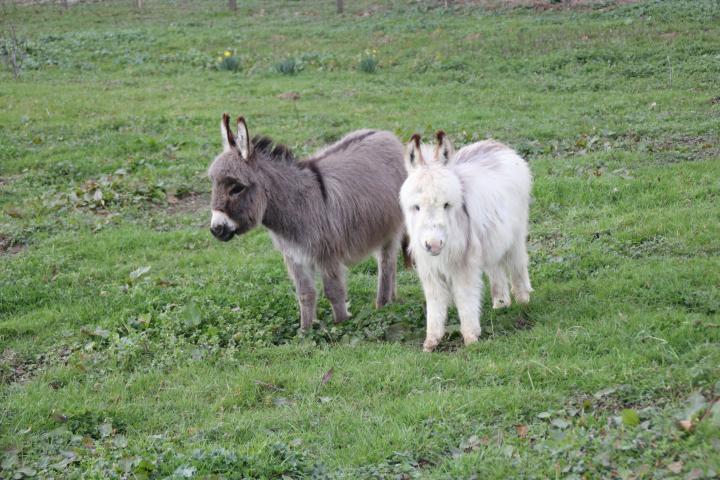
[
  {"x": 387, "y": 268},
  {"x": 499, "y": 286},
  {"x": 517, "y": 263},
  {"x": 336, "y": 291}
]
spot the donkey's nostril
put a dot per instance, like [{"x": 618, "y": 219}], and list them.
[
  {"x": 434, "y": 246},
  {"x": 218, "y": 230}
]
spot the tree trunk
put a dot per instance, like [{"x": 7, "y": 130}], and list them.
[
  {"x": 139, "y": 4},
  {"x": 339, "y": 4},
  {"x": 232, "y": 4},
  {"x": 65, "y": 4}
]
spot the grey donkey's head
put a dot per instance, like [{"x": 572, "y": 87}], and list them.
[{"x": 238, "y": 196}]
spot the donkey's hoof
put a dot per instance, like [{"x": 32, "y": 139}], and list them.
[
  {"x": 500, "y": 303},
  {"x": 470, "y": 339},
  {"x": 523, "y": 298},
  {"x": 340, "y": 320},
  {"x": 430, "y": 344}
]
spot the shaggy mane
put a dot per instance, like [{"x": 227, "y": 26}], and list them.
[{"x": 276, "y": 151}]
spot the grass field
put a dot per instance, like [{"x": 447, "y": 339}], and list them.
[{"x": 134, "y": 345}]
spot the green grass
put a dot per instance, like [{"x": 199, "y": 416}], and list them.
[{"x": 195, "y": 368}]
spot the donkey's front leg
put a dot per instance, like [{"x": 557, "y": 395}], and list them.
[
  {"x": 303, "y": 277},
  {"x": 437, "y": 298},
  {"x": 335, "y": 290},
  {"x": 467, "y": 292}
]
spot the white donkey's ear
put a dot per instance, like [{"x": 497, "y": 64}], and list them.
[
  {"x": 413, "y": 153},
  {"x": 228, "y": 139},
  {"x": 444, "y": 150},
  {"x": 243, "y": 139}
]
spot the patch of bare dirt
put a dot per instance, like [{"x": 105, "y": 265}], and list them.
[
  {"x": 700, "y": 146},
  {"x": 8, "y": 247},
  {"x": 193, "y": 203},
  {"x": 15, "y": 369},
  {"x": 537, "y": 4},
  {"x": 289, "y": 96},
  {"x": 371, "y": 10}
]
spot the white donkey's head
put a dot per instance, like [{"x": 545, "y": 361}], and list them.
[{"x": 432, "y": 196}]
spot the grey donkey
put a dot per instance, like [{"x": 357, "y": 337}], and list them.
[{"x": 323, "y": 213}]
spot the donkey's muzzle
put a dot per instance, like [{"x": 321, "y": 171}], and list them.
[
  {"x": 222, "y": 231},
  {"x": 434, "y": 247}
]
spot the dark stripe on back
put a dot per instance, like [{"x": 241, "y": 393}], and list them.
[
  {"x": 344, "y": 145},
  {"x": 318, "y": 176},
  {"x": 280, "y": 153}
]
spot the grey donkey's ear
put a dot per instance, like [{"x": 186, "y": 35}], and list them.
[
  {"x": 444, "y": 150},
  {"x": 413, "y": 153},
  {"x": 243, "y": 139},
  {"x": 228, "y": 139}
]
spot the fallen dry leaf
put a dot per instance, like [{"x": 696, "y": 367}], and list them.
[
  {"x": 675, "y": 467},
  {"x": 686, "y": 425},
  {"x": 268, "y": 385},
  {"x": 522, "y": 430},
  {"x": 694, "y": 474},
  {"x": 326, "y": 378},
  {"x": 59, "y": 417},
  {"x": 289, "y": 96},
  {"x": 14, "y": 213}
]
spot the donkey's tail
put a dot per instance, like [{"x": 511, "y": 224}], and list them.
[{"x": 407, "y": 257}]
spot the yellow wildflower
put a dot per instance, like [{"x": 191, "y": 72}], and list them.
[{"x": 227, "y": 53}]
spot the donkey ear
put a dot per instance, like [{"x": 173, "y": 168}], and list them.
[
  {"x": 413, "y": 153},
  {"x": 444, "y": 150},
  {"x": 243, "y": 139},
  {"x": 228, "y": 139}
]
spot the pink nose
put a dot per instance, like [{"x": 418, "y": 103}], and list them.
[{"x": 434, "y": 246}]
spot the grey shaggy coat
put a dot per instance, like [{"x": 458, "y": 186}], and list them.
[{"x": 324, "y": 212}]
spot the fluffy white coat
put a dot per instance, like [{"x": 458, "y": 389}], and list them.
[{"x": 466, "y": 213}]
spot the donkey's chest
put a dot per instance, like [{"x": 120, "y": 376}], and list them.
[
  {"x": 292, "y": 250},
  {"x": 316, "y": 254}
]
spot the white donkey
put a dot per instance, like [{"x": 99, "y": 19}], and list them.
[{"x": 466, "y": 213}]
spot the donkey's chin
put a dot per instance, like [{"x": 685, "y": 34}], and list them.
[{"x": 225, "y": 236}]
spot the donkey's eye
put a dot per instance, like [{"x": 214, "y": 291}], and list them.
[
  {"x": 416, "y": 208},
  {"x": 237, "y": 189},
  {"x": 446, "y": 206}
]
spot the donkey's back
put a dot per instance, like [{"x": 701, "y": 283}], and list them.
[
  {"x": 360, "y": 154},
  {"x": 497, "y": 184},
  {"x": 362, "y": 174}
]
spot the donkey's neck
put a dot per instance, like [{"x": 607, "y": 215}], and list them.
[{"x": 294, "y": 201}]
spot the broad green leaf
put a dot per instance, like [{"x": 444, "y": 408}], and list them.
[{"x": 630, "y": 417}]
